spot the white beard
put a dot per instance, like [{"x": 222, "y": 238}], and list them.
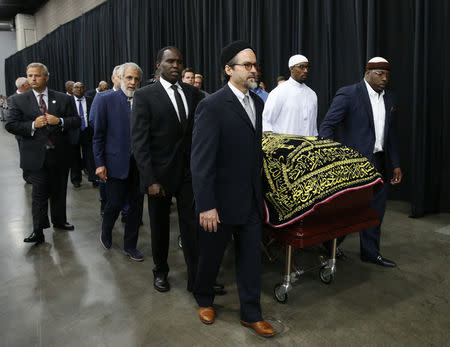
[{"x": 127, "y": 92}]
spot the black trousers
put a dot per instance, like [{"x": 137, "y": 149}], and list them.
[
  {"x": 369, "y": 239},
  {"x": 82, "y": 156},
  {"x": 159, "y": 211},
  {"x": 212, "y": 246},
  {"x": 49, "y": 183},
  {"x": 117, "y": 193}
]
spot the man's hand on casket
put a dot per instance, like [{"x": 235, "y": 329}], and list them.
[
  {"x": 397, "y": 176},
  {"x": 209, "y": 220}
]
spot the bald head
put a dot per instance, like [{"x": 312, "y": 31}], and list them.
[
  {"x": 102, "y": 86},
  {"x": 69, "y": 86}
]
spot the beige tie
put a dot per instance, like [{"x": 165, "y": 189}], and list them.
[{"x": 249, "y": 110}]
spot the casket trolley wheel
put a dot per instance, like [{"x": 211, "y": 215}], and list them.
[
  {"x": 326, "y": 274},
  {"x": 280, "y": 293}
]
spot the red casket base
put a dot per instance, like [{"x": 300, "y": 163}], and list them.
[{"x": 345, "y": 214}]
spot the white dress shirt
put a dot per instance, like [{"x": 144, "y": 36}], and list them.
[
  {"x": 241, "y": 97},
  {"x": 379, "y": 116},
  {"x": 84, "y": 105},
  {"x": 168, "y": 88},
  {"x": 291, "y": 108}
]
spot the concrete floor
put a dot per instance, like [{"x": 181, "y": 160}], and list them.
[{"x": 71, "y": 292}]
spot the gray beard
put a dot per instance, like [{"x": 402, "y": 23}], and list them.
[
  {"x": 127, "y": 92},
  {"x": 252, "y": 85}
]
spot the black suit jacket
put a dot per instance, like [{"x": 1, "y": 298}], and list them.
[
  {"x": 159, "y": 144},
  {"x": 226, "y": 158},
  {"x": 24, "y": 109},
  {"x": 77, "y": 136},
  {"x": 91, "y": 93}
]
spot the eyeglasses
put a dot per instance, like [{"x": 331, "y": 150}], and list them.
[
  {"x": 302, "y": 67},
  {"x": 248, "y": 66}
]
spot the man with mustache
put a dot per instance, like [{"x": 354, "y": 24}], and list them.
[
  {"x": 367, "y": 112},
  {"x": 115, "y": 164},
  {"x": 161, "y": 132},
  {"x": 291, "y": 107},
  {"x": 226, "y": 164}
]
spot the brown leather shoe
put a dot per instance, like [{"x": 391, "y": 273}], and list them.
[
  {"x": 206, "y": 314},
  {"x": 262, "y": 328}
]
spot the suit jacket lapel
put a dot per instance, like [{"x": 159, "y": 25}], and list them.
[
  {"x": 190, "y": 101},
  {"x": 51, "y": 102},
  {"x": 366, "y": 102},
  {"x": 387, "y": 117},
  {"x": 32, "y": 101},
  {"x": 236, "y": 106},
  {"x": 258, "y": 111}
]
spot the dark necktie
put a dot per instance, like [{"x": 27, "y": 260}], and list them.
[
  {"x": 43, "y": 110},
  {"x": 81, "y": 113},
  {"x": 42, "y": 105},
  {"x": 180, "y": 105}
]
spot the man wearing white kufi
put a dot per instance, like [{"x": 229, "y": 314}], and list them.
[
  {"x": 367, "y": 113},
  {"x": 291, "y": 107}
]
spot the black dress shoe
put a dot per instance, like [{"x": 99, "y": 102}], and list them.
[
  {"x": 77, "y": 185},
  {"x": 65, "y": 226},
  {"x": 35, "y": 236},
  {"x": 379, "y": 260},
  {"x": 95, "y": 184},
  {"x": 161, "y": 283}
]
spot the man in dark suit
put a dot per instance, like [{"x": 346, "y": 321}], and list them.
[
  {"x": 41, "y": 117},
  {"x": 226, "y": 164},
  {"x": 367, "y": 112},
  {"x": 81, "y": 139},
  {"x": 161, "y": 131},
  {"x": 114, "y": 163}
]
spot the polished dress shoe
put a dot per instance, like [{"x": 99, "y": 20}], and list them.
[
  {"x": 219, "y": 289},
  {"x": 65, "y": 226},
  {"x": 77, "y": 185},
  {"x": 206, "y": 314},
  {"x": 134, "y": 254},
  {"x": 262, "y": 328},
  {"x": 161, "y": 283},
  {"x": 36, "y": 237},
  {"x": 379, "y": 260}
]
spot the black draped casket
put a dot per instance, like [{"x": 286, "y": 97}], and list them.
[{"x": 301, "y": 173}]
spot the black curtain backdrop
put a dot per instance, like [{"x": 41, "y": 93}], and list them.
[{"x": 338, "y": 37}]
